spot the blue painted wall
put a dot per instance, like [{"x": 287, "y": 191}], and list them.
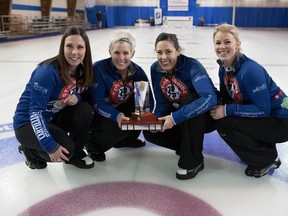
[
  {"x": 262, "y": 17},
  {"x": 245, "y": 17}
]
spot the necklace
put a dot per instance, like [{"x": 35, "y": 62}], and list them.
[{"x": 72, "y": 74}]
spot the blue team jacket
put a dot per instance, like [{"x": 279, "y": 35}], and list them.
[
  {"x": 109, "y": 90},
  {"x": 41, "y": 100},
  {"x": 249, "y": 91},
  {"x": 189, "y": 77}
]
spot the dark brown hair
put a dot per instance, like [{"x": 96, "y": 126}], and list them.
[
  {"x": 169, "y": 37},
  {"x": 86, "y": 77}
]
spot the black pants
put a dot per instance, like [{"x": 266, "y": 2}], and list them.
[
  {"x": 187, "y": 138},
  {"x": 69, "y": 128},
  {"x": 105, "y": 133},
  {"x": 253, "y": 140}
]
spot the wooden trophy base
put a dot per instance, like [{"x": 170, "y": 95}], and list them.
[{"x": 145, "y": 121}]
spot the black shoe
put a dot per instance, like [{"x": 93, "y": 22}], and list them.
[
  {"x": 184, "y": 174},
  {"x": 32, "y": 164},
  {"x": 36, "y": 164},
  {"x": 84, "y": 163},
  {"x": 134, "y": 144},
  {"x": 97, "y": 156},
  {"x": 177, "y": 152},
  {"x": 257, "y": 173}
]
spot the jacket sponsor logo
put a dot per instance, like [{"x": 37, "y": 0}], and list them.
[
  {"x": 40, "y": 88},
  {"x": 200, "y": 78},
  {"x": 37, "y": 124},
  {"x": 70, "y": 90},
  {"x": 173, "y": 89},
  {"x": 120, "y": 93},
  {"x": 285, "y": 103},
  {"x": 260, "y": 88},
  {"x": 233, "y": 88}
]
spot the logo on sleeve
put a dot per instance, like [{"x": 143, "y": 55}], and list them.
[
  {"x": 40, "y": 88},
  {"x": 285, "y": 103},
  {"x": 260, "y": 88}
]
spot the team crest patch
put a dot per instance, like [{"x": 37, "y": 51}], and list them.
[
  {"x": 120, "y": 93},
  {"x": 233, "y": 88},
  {"x": 173, "y": 89},
  {"x": 70, "y": 90}
]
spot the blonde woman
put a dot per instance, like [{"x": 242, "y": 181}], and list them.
[
  {"x": 113, "y": 97},
  {"x": 253, "y": 116}
]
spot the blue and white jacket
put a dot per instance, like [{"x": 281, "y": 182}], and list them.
[
  {"x": 109, "y": 91},
  {"x": 41, "y": 100},
  {"x": 189, "y": 77},
  {"x": 249, "y": 91}
]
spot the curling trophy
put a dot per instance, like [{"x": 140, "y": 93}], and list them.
[{"x": 142, "y": 118}]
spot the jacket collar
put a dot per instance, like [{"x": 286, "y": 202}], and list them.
[{"x": 236, "y": 65}]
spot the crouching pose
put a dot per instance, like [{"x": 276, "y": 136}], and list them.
[
  {"x": 254, "y": 114},
  {"x": 113, "y": 97},
  {"x": 51, "y": 122},
  {"x": 184, "y": 95}
]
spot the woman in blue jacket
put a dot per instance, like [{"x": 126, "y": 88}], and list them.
[
  {"x": 184, "y": 95},
  {"x": 113, "y": 97},
  {"x": 51, "y": 122},
  {"x": 254, "y": 114}
]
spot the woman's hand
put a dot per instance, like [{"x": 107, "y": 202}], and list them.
[
  {"x": 71, "y": 100},
  {"x": 59, "y": 155},
  {"x": 218, "y": 112},
  {"x": 121, "y": 117},
  {"x": 168, "y": 122}
]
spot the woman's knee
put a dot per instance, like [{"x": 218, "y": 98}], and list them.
[
  {"x": 221, "y": 126},
  {"x": 87, "y": 109},
  {"x": 85, "y": 112},
  {"x": 149, "y": 136}
]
